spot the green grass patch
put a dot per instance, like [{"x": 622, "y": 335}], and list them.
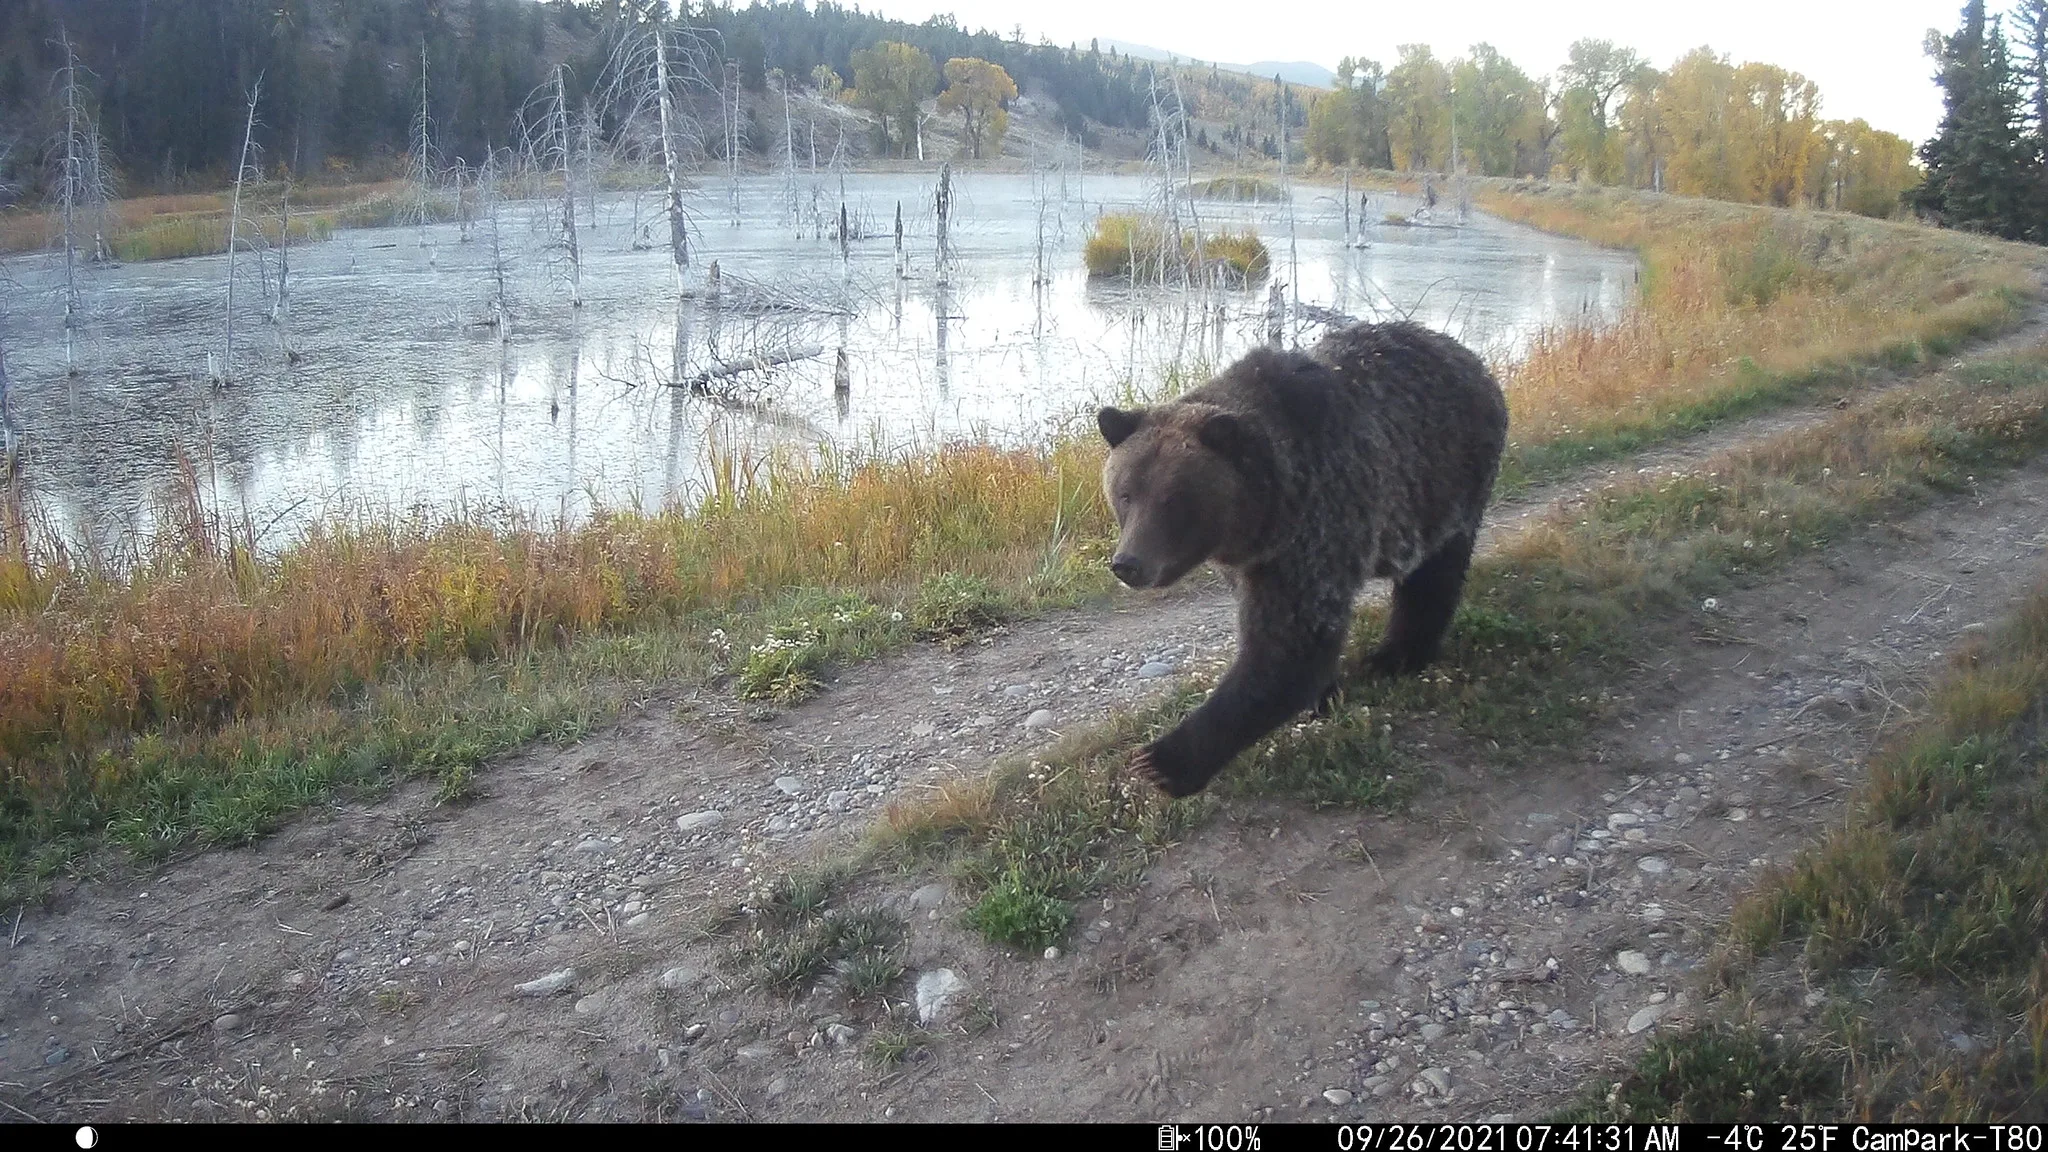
[
  {"x": 1013, "y": 912},
  {"x": 796, "y": 939},
  {"x": 952, "y": 608},
  {"x": 895, "y": 1043},
  {"x": 805, "y": 636},
  {"x": 1717, "y": 1074}
]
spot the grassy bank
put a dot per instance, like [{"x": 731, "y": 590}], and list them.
[
  {"x": 1544, "y": 639},
  {"x": 202, "y": 688},
  {"x": 1740, "y": 309},
  {"x": 172, "y": 227},
  {"x": 1125, "y": 245}
]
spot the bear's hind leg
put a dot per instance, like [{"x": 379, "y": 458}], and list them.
[{"x": 1423, "y": 604}]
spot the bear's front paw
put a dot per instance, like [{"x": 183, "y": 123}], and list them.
[
  {"x": 1330, "y": 702},
  {"x": 1169, "y": 776},
  {"x": 1387, "y": 663}
]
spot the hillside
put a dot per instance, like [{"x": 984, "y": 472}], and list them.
[
  {"x": 1292, "y": 71},
  {"x": 342, "y": 81}
]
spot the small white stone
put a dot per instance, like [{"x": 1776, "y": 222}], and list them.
[
  {"x": 1338, "y": 1096},
  {"x": 547, "y": 985},
  {"x": 1632, "y": 962},
  {"x": 680, "y": 977},
  {"x": 1645, "y": 1018},
  {"x": 697, "y": 821},
  {"x": 936, "y": 990}
]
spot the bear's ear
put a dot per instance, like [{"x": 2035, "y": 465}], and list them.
[
  {"x": 1117, "y": 424},
  {"x": 1227, "y": 435}
]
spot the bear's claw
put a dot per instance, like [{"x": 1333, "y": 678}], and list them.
[{"x": 1145, "y": 762}]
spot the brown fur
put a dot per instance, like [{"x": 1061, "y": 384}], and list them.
[{"x": 1302, "y": 476}]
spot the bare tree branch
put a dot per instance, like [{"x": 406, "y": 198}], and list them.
[{"x": 245, "y": 168}]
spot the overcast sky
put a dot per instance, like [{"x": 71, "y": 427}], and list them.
[{"x": 1865, "y": 54}]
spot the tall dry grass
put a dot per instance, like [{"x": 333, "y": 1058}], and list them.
[
  {"x": 1730, "y": 294},
  {"x": 200, "y": 629},
  {"x": 1138, "y": 248}
]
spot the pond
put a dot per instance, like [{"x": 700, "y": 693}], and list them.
[{"x": 402, "y": 395}]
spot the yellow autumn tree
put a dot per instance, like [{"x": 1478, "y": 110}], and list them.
[
  {"x": 1594, "y": 77},
  {"x": 1498, "y": 110},
  {"x": 891, "y": 79},
  {"x": 1419, "y": 110},
  {"x": 1646, "y": 140},
  {"x": 1773, "y": 133},
  {"x": 1694, "y": 105},
  {"x": 981, "y": 92},
  {"x": 1866, "y": 171}
]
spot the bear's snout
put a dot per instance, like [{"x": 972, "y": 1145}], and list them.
[{"x": 1129, "y": 571}]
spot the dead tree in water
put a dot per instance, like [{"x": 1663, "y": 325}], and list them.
[
  {"x": 648, "y": 64},
  {"x": 551, "y": 148},
  {"x": 10, "y": 434},
  {"x": 1287, "y": 193},
  {"x": 943, "y": 205},
  {"x": 84, "y": 189},
  {"x": 789, "y": 160},
  {"x": 487, "y": 194},
  {"x": 731, "y": 95},
  {"x": 243, "y": 172},
  {"x": 420, "y": 135},
  {"x": 281, "y": 309},
  {"x": 593, "y": 157},
  {"x": 459, "y": 172}
]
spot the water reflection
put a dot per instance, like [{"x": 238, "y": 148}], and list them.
[{"x": 408, "y": 392}]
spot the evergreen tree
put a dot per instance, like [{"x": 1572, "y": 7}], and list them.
[
  {"x": 1980, "y": 175},
  {"x": 2031, "y": 16}
]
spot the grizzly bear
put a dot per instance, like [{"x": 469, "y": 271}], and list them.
[{"x": 1301, "y": 476}]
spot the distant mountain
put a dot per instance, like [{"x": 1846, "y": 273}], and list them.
[{"x": 1292, "y": 71}]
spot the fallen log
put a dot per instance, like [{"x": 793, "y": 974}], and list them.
[{"x": 701, "y": 382}]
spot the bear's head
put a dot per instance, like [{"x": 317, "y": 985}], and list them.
[{"x": 1181, "y": 479}]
